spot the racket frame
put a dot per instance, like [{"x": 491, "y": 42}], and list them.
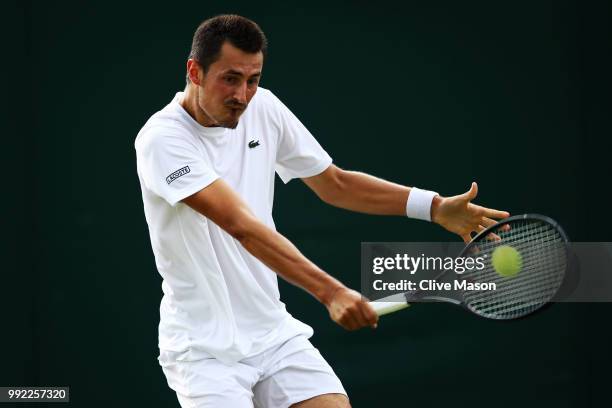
[{"x": 383, "y": 307}]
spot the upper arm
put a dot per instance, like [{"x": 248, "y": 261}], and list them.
[
  {"x": 327, "y": 184},
  {"x": 219, "y": 203},
  {"x": 171, "y": 166},
  {"x": 298, "y": 153}
]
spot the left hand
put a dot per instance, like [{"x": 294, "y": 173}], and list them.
[{"x": 457, "y": 214}]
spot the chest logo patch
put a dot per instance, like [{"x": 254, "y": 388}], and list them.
[
  {"x": 253, "y": 144},
  {"x": 179, "y": 173}
]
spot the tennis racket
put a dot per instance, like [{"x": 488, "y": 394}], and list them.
[{"x": 543, "y": 247}]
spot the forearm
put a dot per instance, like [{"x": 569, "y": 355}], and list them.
[
  {"x": 221, "y": 205},
  {"x": 280, "y": 255},
  {"x": 364, "y": 193}
]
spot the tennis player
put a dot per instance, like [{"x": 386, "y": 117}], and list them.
[{"x": 206, "y": 164}]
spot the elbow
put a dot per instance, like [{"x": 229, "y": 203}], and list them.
[
  {"x": 336, "y": 187},
  {"x": 239, "y": 226}
]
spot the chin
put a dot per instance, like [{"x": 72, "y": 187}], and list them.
[
  {"x": 230, "y": 125},
  {"x": 229, "y": 121}
]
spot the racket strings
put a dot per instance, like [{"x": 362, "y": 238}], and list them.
[
  {"x": 528, "y": 252},
  {"x": 544, "y": 259}
]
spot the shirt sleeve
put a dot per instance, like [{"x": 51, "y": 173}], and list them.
[
  {"x": 172, "y": 166},
  {"x": 299, "y": 154}
]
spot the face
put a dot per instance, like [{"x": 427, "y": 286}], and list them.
[{"x": 227, "y": 88}]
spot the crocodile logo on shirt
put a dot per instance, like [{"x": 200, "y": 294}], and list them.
[
  {"x": 180, "y": 172},
  {"x": 253, "y": 144}
]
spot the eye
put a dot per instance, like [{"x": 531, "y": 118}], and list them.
[
  {"x": 231, "y": 80},
  {"x": 253, "y": 81}
]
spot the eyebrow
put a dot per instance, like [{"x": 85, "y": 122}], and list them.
[{"x": 234, "y": 72}]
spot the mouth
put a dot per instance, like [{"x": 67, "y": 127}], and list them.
[{"x": 236, "y": 109}]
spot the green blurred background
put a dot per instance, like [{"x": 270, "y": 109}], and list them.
[{"x": 514, "y": 95}]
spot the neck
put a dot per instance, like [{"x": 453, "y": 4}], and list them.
[{"x": 190, "y": 104}]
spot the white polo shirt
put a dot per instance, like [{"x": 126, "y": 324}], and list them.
[{"x": 219, "y": 300}]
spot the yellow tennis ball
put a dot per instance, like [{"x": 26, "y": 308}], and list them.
[{"x": 507, "y": 261}]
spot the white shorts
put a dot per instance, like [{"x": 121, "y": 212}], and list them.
[{"x": 276, "y": 378}]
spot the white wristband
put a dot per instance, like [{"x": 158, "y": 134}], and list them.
[{"x": 419, "y": 204}]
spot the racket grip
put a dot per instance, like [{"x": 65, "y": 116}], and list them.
[{"x": 383, "y": 308}]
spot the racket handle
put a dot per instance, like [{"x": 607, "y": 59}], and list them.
[{"x": 383, "y": 308}]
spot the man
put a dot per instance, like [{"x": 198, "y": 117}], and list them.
[{"x": 206, "y": 164}]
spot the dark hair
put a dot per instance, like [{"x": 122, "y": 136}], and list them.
[{"x": 241, "y": 32}]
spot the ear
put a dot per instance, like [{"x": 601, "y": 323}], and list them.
[{"x": 194, "y": 71}]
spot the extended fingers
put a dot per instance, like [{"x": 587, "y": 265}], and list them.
[
  {"x": 491, "y": 213},
  {"x": 487, "y": 222},
  {"x": 477, "y": 219},
  {"x": 491, "y": 237}
]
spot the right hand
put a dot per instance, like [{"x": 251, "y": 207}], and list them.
[{"x": 351, "y": 310}]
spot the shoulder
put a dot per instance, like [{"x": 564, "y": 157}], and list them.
[
  {"x": 266, "y": 99},
  {"x": 264, "y": 96},
  {"x": 164, "y": 141},
  {"x": 266, "y": 104},
  {"x": 164, "y": 128}
]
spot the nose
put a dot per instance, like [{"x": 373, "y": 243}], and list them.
[{"x": 241, "y": 92}]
